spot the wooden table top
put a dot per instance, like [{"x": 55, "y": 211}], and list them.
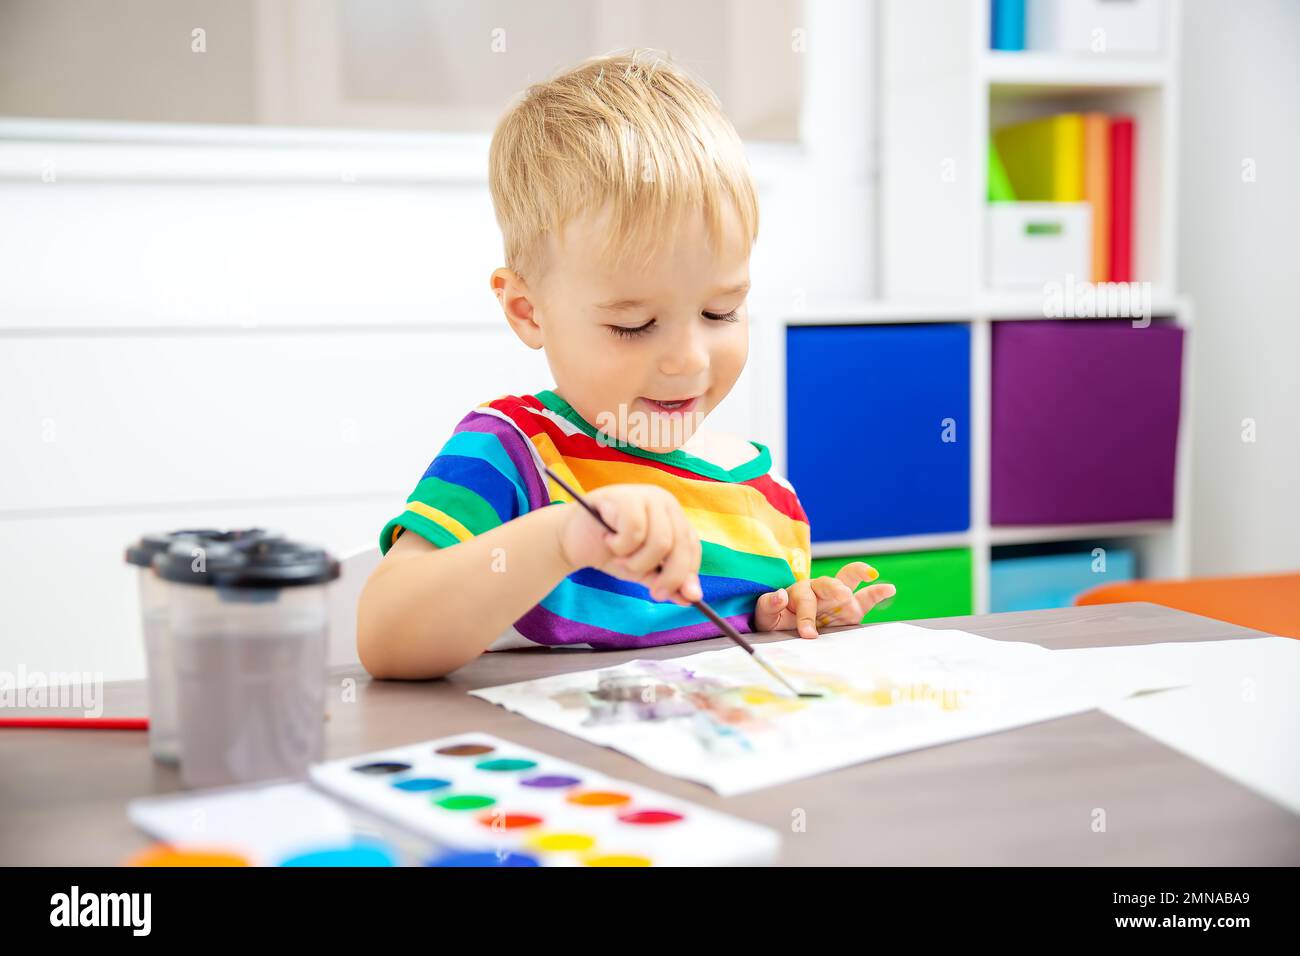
[{"x": 1021, "y": 797}]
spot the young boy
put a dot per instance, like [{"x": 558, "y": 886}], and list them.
[{"x": 628, "y": 214}]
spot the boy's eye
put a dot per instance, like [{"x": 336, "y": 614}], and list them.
[{"x": 622, "y": 331}]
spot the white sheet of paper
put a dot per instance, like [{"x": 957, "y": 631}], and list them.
[
  {"x": 263, "y": 823},
  {"x": 1240, "y": 715},
  {"x": 717, "y": 718}
]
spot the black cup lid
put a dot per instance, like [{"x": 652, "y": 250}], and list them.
[
  {"x": 260, "y": 562},
  {"x": 142, "y": 553}
]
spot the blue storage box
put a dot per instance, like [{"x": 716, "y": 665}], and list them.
[
  {"x": 1053, "y": 580},
  {"x": 878, "y": 428}
]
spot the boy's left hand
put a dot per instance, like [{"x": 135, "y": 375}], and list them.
[{"x": 821, "y": 602}]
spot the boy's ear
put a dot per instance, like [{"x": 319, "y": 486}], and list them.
[{"x": 517, "y": 304}]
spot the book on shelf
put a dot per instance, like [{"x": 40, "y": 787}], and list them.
[
  {"x": 1122, "y": 136},
  {"x": 1000, "y": 188},
  {"x": 1096, "y": 189},
  {"x": 1074, "y": 157},
  {"x": 1008, "y": 27},
  {"x": 1044, "y": 158}
]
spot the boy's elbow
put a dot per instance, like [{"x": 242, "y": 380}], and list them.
[
  {"x": 370, "y": 650},
  {"x": 379, "y": 644},
  {"x": 375, "y": 636}
]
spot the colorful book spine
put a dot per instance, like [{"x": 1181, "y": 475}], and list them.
[
  {"x": 1000, "y": 188},
  {"x": 1096, "y": 189},
  {"x": 1044, "y": 158},
  {"x": 1121, "y": 215},
  {"x": 1008, "y": 28}
]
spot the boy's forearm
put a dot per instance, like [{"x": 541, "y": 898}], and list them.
[{"x": 426, "y": 615}]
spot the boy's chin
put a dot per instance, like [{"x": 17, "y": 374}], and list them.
[
  {"x": 654, "y": 431},
  {"x": 663, "y": 433},
  {"x": 658, "y": 448}
]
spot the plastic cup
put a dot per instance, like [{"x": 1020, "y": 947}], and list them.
[
  {"x": 156, "y": 631},
  {"x": 249, "y": 625}
]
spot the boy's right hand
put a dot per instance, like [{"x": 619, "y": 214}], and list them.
[{"x": 652, "y": 530}]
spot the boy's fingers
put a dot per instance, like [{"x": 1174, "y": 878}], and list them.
[
  {"x": 609, "y": 510},
  {"x": 869, "y": 597},
  {"x": 843, "y": 608},
  {"x": 629, "y": 522},
  {"x": 843, "y": 592},
  {"x": 832, "y": 594},
  {"x": 803, "y": 601},
  {"x": 832, "y": 616},
  {"x": 827, "y": 590},
  {"x": 768, "y": 609},
  {"x": 689, "y": 545},
  {"x": 656, "y": 540},
  {"x": 697, "y": 551},
  {"x": 856, "y": 572},
  {"x": 676, "y": 565}
]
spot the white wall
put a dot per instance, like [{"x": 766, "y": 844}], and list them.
[
  {"x": 239, "y": 326},
  {"x": 200, "y": 327},
  {"x": 1239, "y": 256}
]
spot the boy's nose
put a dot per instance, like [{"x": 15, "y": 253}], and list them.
[{"x": 684, "y": 357}]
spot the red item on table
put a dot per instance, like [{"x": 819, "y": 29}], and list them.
[{"x": 77, "y": 723}]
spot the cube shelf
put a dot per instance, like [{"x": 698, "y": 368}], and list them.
[
  {"x": 1084, "y": 421},
  {"x": 930, "y": 583},
  {"x": 1070, "y": 429},
  {"x": 1020, "y": 580},
  {"x": 882, "y": 442},
  {"x": 1076, "y": 431}
]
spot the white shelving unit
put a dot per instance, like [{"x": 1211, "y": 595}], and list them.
[{"x": 941, "y": 93}]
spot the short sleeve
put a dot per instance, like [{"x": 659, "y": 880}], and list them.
[
  {"x": 800, "y": 558},
  {"x": 474, "y": 484}
]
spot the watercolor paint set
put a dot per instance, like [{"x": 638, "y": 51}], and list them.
[
  {"x": 284, "y": 823},
  {"x": 468, "y": 800},
  {"x": 481, "y": 797}
]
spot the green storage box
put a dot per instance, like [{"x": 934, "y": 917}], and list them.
[{"x": 930, "y": 583}]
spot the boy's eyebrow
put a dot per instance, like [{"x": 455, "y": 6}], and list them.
[
  {"x": 734, "y": 290},
  {"x": 622, "y": 305}
]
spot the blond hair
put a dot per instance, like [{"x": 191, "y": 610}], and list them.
[{"x": 632, "y": 129}]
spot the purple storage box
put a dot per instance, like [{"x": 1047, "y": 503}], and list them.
[{"x": 1084, "y": 421}]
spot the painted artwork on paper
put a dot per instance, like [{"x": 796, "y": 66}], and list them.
[
  {"x": 725, "y": 713},
  {"x": 717, "y": 718}
]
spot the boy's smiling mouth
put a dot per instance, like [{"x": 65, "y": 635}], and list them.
[{"x": 679, "y": 405}]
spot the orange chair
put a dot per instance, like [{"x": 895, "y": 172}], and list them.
[{"x": 1269, "y": 603}]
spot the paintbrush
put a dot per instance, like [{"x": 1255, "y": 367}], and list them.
[{"x": 704, "y": 608}]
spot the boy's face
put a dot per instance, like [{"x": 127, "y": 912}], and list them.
[{"x": 621, "y": 341}]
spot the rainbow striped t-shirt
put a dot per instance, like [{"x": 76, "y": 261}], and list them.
[{"x": 753, "y": 531}]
